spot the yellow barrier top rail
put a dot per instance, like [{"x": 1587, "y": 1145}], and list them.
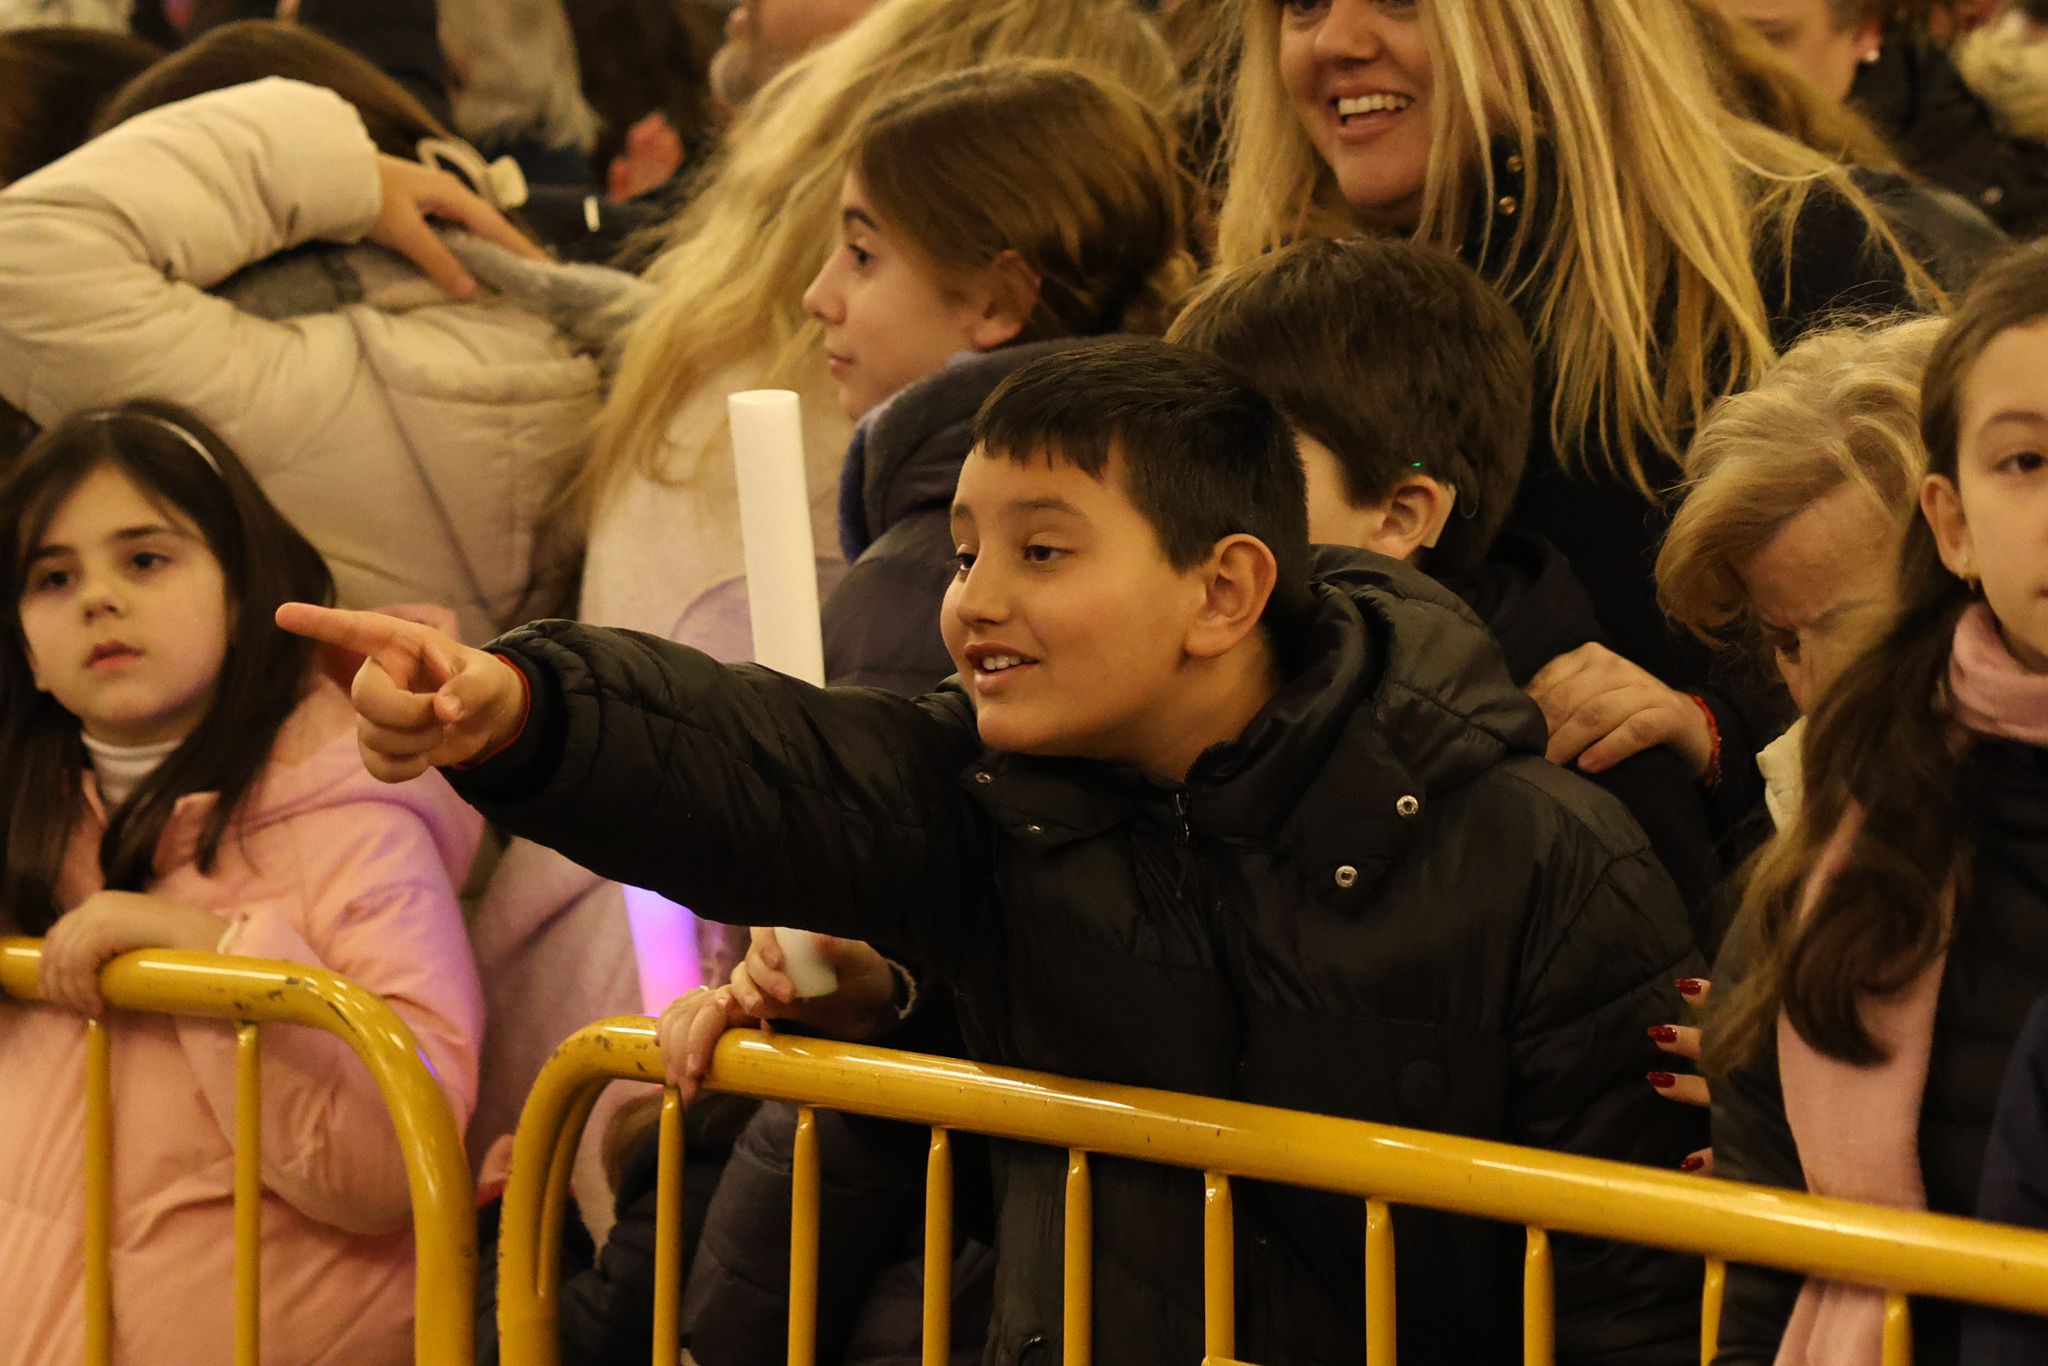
[
  {"x": 1900, "y": 1252},
  {"x": 256, "y": 990}
]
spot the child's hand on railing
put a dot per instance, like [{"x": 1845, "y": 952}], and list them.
[
  {"x": 872, "y": 996},
  {"x": 108, "y": 924},
  {"x": 1682, "y": 1041}
]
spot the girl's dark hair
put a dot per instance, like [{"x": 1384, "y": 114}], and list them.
[
  {"x": 1883, "y": 740},
  {"x": 53, "y": 83},
  {"x": 251, "y": 49},
  {"x": 265, "y": 562}
]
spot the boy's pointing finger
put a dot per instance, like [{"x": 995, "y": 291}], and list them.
[{"x": 363, "y": 632}]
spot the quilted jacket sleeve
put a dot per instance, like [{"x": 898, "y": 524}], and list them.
[
  {"x": 747, "y": 796},
  {"x": 106, "y": 256},
  {"x": 1602, "y": 961}
]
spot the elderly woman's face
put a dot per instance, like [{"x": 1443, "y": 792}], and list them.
[
  {"x": 1358, "y": 75},
  {"x": 1817, "y": 588}
]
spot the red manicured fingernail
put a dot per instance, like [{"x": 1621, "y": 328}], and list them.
[
  {"x": 1662, "y": 1080},
  {"x": 1664, "y": 1033},
  {"x": 1693, "y": 1163},
  {"x": 1690, "y": 986}
]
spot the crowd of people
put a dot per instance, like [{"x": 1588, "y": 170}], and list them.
[{"x": 1470, "y": 564}]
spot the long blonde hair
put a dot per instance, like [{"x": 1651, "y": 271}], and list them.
[
  {"x": 1676, "y": 213},
  {"x": 1839, "y": 410},
  {"x": 731, "y": 283}
]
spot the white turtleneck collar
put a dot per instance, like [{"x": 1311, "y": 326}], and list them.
[{"x": 123, "y": 768}]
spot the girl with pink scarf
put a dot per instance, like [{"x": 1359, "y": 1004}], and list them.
[{"x": 1897, "y": 932}]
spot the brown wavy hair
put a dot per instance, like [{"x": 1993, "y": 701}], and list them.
[
  {"x": 1042, "y": 158},
  {"x": 1884, "y": 740}
]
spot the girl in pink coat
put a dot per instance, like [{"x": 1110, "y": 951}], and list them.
[{"x": 183, "y": 779}]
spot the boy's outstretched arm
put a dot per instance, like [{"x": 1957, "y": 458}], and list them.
[{"x": 747, "y": 796}]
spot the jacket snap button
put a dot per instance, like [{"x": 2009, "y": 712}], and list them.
[
  {"x": 1994, "y": 195},
  {"x": 1407, "y": 807},
  {"x": 1034, "y": 829},
  {"x": 1347, "y": 877},
  {"x": 1508, "y": 205},
  {"x": 984, "y": 777},
  {"x": 1514, "y": 163}
]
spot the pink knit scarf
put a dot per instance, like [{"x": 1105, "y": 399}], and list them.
[{"x": 1858, "y": 1127}]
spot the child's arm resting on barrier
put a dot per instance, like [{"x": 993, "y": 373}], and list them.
[
  {"x": 874, "y": 994},
  {"x": 747, "y": 796}
]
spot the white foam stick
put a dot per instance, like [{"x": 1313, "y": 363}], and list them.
[
  {"x": 775, "y": 524},
  {"x": 782, "y": 584}
]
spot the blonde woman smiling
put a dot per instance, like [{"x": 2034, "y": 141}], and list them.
[{"x": 1660, "y": 250}]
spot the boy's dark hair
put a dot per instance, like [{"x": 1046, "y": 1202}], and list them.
[
  {"x": 1396, "y": 356},
  {"x": 1204, "y": 453},
  {"x": 266, "y": 563}
]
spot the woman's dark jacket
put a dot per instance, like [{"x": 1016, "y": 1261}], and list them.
[
  {"x": 1608, "y": 530},
  {"x": 1997, "y": 967},
  {"x": 1943, "y": 130},
  {"x": 1379, "y": 902},
  {"x": 895, "y": 507}
]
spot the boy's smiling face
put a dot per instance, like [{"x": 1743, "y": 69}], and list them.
[{"x": 1065, "y": 618}]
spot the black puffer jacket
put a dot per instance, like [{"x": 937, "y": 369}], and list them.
[
  {"x": 1944, "y": 131},
  {"x": 1997, "y": 967},
  {"x": 1537, "y": 610},
  {"x": 1379, "y": 902},
  {"x": 895, "y": 506}
]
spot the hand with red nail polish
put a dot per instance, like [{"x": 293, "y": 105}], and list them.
[{"x": 1679, "y": 1041}]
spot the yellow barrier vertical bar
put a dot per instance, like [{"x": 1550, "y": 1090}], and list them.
[
  {"x": 1379, "y": 1284},
  {"x": 1539, "y": 1302},
  {"x": 248, "y": 1193},
  {"x": 1080, "y": 1240},
  {"x": 668, "y": 1232},
  {"x": 938, "y": 1250},
  {"x": 1219, "y": 1267},
  {"x": 99, "y": 1196},
  {"x": 1711, "y": 1294},
  {"x": 803, "y": 1242},
  {"x": 1898, "y": 1331}
]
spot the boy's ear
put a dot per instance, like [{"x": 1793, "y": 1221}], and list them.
[
  {"x": 1237, "y": 580},
  {"x": 1010, "y": 298},
  {"x": 1942, "y": 505},
  {"x": 1413, "y": 517}
]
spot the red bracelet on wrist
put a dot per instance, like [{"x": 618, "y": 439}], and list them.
[{"x": 1712, "y": 777}]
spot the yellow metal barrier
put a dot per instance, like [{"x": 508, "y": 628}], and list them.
[
  {"x": 1723, "y": 1221},
  {"x": 250, "y": 992}
]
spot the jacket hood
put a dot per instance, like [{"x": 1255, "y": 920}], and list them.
[
  {"x": 314, "y": 765},
  {"x": 910, "y": 455},
  {"x": 1400, "y": 695}
]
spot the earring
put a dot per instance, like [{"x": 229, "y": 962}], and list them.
[{"x": 1872, "y": 57}]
